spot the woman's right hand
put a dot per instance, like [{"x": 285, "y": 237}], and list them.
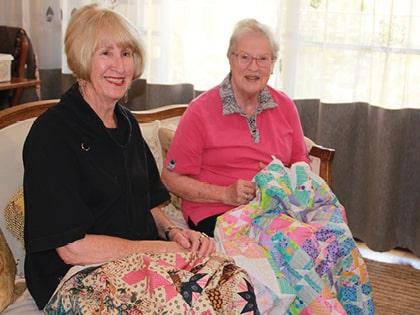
[{"x": 240, "y": 192}]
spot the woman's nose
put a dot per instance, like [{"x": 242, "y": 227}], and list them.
[{"x": 118, "y": 63}]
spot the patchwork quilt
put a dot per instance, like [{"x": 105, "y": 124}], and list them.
[
  {"x": 294, "y": 241},
  {"x": 161, "y": 284}
]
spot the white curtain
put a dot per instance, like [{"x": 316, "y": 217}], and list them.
[
  {"x": 333, "y": 50},
  {"x": 359, "y": 51},
  {"x": 187, "y": 40}
]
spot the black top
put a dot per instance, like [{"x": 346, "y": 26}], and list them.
[{"x": 82, "y": 178}]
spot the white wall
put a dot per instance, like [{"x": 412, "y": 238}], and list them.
[{"x": 11, "y": 12}]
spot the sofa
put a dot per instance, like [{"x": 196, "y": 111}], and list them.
[{"x": 157, "y": 125}]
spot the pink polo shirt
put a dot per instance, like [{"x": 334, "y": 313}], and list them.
[{"x": 218, "y": 149}]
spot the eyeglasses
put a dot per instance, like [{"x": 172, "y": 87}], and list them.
[{"x": 245, "y": 59}]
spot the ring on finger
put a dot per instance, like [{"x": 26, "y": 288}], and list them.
[{"x": 203, "y": 235}]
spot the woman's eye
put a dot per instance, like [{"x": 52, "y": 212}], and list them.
[{"x": 127, "y": 53}]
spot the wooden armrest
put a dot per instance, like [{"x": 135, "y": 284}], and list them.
[
  {"x": 14, "y": 114},
  {"x": 159, "y": 113},
  {"x": 326, "y": 156}
]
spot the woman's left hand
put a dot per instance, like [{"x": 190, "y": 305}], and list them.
[{"x": 195, "y": 241}]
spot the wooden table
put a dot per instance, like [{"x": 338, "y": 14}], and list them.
[{"x": 18, "y": 84}]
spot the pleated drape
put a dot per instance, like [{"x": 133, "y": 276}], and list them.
[{"x": 376, "y": 168}]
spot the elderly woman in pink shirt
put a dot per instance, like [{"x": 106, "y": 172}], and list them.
[{"x": 230, "y": 132}]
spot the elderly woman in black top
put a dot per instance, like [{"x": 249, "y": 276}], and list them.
[{"x": 92, "y": 189}]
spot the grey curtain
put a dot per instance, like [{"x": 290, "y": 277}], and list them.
[{"x": 376, "y": 168}]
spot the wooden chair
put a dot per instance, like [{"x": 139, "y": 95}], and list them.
[{"x": 15, "y": 41}]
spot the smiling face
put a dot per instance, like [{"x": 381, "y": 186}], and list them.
[
  {"x": 111, "y": 72},
  {"x": 249, "y": 79}
]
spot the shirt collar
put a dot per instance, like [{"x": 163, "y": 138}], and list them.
[{"x": 229, "y": 104}]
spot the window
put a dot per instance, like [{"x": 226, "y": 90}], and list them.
[{"x": 358, "y": 51}]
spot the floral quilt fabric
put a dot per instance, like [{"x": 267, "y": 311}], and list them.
[
  {"x": 297, "y": 227},
  {"x": 164, "y": 284}
]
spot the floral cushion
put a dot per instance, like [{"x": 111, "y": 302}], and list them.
[{"x": 14, "y": 215}]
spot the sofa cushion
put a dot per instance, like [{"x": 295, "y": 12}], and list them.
[
  {"x": 14, "y": 215},
  {"x": 7, "y": 274},
  {"x": 170, "y": 123},
  {"x": 150, "y": 134},
  {"x": 166, "y": 135}
]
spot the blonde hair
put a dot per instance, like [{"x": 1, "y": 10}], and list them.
[
  {"x": 87, "y": 26},
  {"x": 247, "y": 26}
]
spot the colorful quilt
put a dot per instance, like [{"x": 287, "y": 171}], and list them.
[
  {"x": 294, "y": 241},
  {"x": 161, "y": 284}
]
